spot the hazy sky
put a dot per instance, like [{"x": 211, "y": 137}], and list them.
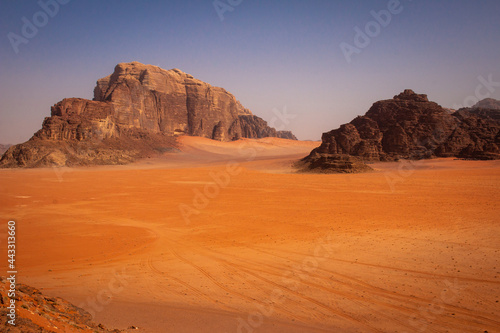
[{"x": 270, "y": 54}]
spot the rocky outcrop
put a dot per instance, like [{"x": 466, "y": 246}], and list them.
[
  {"x": 250, "y": 126},
  {"x": 332, "y": 163},
  {"x": 173, "y": 102},
  {"x": 409, "y": 126},
  {"x": 487, "y": 103},
  {"x": 143, "y": 107},
  {"x": 125, "y": 149},
  {"x": 37, "y": 313}
]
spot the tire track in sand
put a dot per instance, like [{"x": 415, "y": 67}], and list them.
[
  {"x": 289, "y": 314},
  {"x": 420, "y": 302},
  {"x": 297, "y": 294},
  {"x": 196, "y": 291}
]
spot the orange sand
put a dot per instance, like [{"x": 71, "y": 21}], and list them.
[{"x": 408, "y": 248}]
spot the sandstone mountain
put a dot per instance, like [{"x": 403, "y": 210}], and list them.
[
  {"x": 408, "y": 126},
  {"x": 136, "y": 111}
]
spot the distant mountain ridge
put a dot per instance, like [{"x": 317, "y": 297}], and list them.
[
  {"x": 136, "y": 112},
  {"x": 408, "y": 126},
  {"x": 487, "y": 103}
]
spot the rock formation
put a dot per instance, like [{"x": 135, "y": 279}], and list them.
[
  {"x": 408, "y": 126},
  {"x": 36, "y": 313},
  {"x": 487, "y": 103},
  {"x": 135, "y": 112}
]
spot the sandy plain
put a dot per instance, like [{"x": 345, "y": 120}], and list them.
[{"x": 225, "y": 237}]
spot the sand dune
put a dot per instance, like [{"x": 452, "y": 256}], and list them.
[
  {"x": 224, "y": 237},
  {"x": 197, "y": 151}
]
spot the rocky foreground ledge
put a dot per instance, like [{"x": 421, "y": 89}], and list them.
[
  {"x": 408, "y": 126},
  {"x": 36, "y": 313}
]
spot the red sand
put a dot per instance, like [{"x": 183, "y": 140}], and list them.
[{"x": 408, "y": 248}]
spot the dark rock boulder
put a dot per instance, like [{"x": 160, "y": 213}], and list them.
[
  {"x": 332, "y": 163},
  {"x": 409, "y": 126}
]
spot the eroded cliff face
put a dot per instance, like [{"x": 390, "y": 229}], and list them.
[
  {"x": 79, "y": 119},
  {"x": 137, "y": 102},
  {"x": 170, "y": 102},
  {"x": 409, "y": 126}
]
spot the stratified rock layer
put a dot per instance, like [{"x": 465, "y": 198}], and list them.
[
  {"x": 409, "y": 126},
  {"x": 143, "y": 106}
]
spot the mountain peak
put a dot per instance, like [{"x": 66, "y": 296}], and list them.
[
  {"x": 407, "y": 127},
  {"x": 410, "y": 95}
]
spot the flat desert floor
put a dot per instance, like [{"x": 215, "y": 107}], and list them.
[{"x": 225, "y": 237}]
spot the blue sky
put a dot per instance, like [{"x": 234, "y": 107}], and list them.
[{"x": 270, "y": 54}]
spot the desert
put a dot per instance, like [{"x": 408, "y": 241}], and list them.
[
  {"x": 231, "y": 166},
  {"x": 273, "y": 251}
]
